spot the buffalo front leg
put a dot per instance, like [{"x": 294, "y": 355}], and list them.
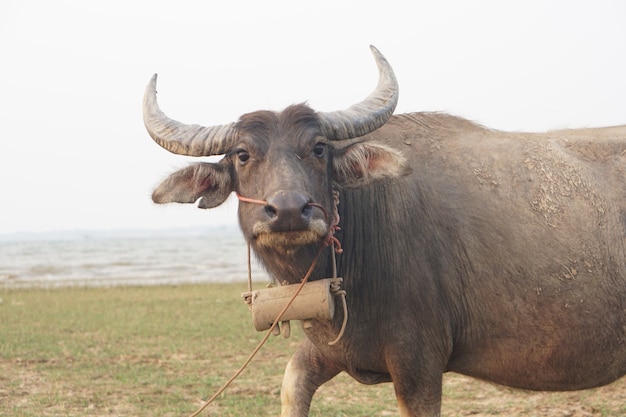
[
  {"x": 417, "y": 383},
  {"x": 306, "y": 371},
  {"x": 424, "y": 402}
]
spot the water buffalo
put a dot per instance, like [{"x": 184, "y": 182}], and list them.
[{"x": 492, "y": 254}]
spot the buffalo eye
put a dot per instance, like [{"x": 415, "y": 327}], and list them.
[
  {"x": 319, "y": 150},
  {"x": 243, "y": 156}
]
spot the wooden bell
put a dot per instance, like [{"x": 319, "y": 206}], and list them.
[{"x": 315, "y": 301}]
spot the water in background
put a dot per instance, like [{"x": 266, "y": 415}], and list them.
[{"x": 125, "y": 258}]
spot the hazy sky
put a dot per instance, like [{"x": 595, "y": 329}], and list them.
[{"x": 75, "y": 154}]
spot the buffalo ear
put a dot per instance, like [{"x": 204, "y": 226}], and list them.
[
  {"x": 209, "y": 182},
  {"x": 362, "y": 163}
]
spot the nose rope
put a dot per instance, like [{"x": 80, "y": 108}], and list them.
[
  {"x": 251, "y": 200},
  {"x": 331, "y": 240}
]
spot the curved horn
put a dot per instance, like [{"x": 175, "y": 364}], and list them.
[
  {"x": 182, "y": 139},
  {"x": 368, "y": 115}
]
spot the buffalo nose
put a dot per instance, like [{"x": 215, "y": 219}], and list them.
[{"x": 288, "y": 210}]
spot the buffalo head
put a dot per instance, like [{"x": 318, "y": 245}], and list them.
[{"x": 290, "y": 160}]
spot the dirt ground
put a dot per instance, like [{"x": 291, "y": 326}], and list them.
[
  {"x": 147, "y": 351},
  {"x": 465, "y": 396}
]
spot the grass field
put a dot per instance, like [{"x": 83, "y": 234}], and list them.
[{"x": 158, "y": 351}]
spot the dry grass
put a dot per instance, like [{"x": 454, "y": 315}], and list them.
[{"x": 159, "y": 350}]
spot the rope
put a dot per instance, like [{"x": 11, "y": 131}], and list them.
[
  {"x": 262, "y": 342},
  {"x": 330, "y": 240},
  {"x": 249, "y": 269},
  {"x": 251, "y": 200},
  {"x": 336, "y": 248},
  {"x": 342, "y": 294},
  {"x": 335, "y": 288}
]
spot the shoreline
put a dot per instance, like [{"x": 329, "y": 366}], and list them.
[{"x": 97, "y": 284}]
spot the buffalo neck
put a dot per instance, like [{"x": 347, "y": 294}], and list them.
[{"x": 290, "y": 266}]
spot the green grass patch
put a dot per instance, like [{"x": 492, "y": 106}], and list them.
[{"x": 159, "y": 351}]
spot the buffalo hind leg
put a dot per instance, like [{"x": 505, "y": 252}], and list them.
[{"x": 306, "y": 371}]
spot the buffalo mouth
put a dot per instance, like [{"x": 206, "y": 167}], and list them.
[{"x": 265, "y": 236}]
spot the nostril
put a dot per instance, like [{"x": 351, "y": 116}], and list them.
[
  {"x": 270, "y": 211},
  {"x": 306, "y": 211}
]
